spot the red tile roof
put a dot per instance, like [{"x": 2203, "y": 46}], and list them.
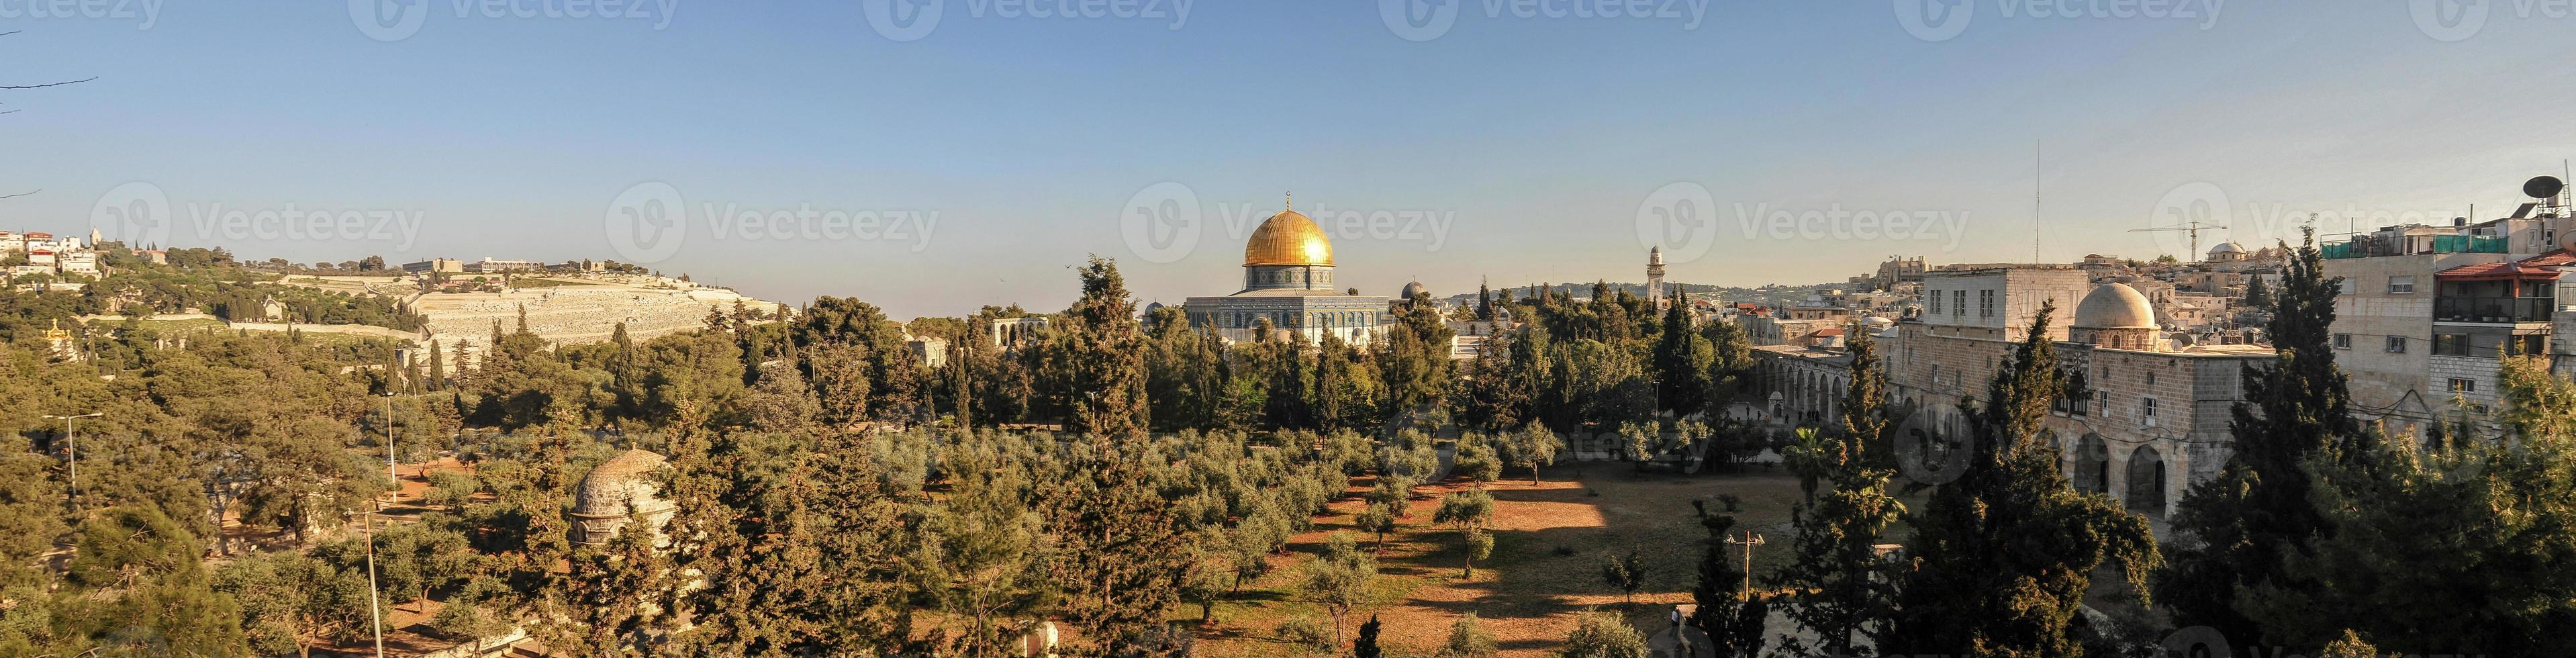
[
  {"x": 2552, "y": 259},
  {"x": 2495, "y": 272}
]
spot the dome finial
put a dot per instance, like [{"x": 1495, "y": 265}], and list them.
[{"x": 1291, "y": 204}]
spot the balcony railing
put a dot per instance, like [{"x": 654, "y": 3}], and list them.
[
  {"x": 2368, "y": 246},
  {"x": 2493, "y": 309}
]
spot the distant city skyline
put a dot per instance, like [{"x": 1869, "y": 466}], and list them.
[{"x": 932, "y": 163}]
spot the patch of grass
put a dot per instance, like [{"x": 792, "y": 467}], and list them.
[{"x": 1549, "y": 539}]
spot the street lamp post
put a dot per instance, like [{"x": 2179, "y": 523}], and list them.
[
  {"x": 375, "y": 613},
  {"x": 1749, "y": 541},
  {"x": 392, "y": 475},
  {"x": 72, "y": 446}
]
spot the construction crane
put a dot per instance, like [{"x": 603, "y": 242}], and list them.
[{"x": 2192, "y": 228}]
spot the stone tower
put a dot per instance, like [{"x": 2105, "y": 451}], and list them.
[{"x": 1655, "y": 277}]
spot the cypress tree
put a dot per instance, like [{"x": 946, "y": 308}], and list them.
[
  {"x": 2463, "y": 547},
  {"x": 1108, "y": 369},
  {"x": 1681, "y": 364},
  {"x": 1843, "y": 587},
  {"x": 437, "y": 367},
  {"x": 1292, "y": 385},
  {"x": 1484, "y": 302},
  {"x": 396, "y": 380},
  {"x": 1366, "y": 645},
  {"x": 2235, "y": 530},
  {"x": 2001, "y": 558}
]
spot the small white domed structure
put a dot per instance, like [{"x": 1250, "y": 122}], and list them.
[
  {"x": 2115, "y": 315},
  {"x": 2227, "y": 252},
  {"x": 621, "y": 485}
]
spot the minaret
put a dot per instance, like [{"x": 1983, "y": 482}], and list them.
[{"x": 1655, "y": 277}]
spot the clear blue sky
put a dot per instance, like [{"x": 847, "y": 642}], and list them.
[{"x": 1538, "y": 139}]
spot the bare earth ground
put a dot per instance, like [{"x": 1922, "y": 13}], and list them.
[{"x": 1550, "y": 540}]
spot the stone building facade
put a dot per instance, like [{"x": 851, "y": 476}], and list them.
[
  {"x": 2156, "y": 418},
  {"x": 1801, "y": 385}
]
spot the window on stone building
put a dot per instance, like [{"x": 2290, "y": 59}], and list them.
[
  {"x": 2147, "y": 410},
  {"x": 2459, "y": 385},
  {"x": 2343, "y": 341},
  {"x": 2402, "y": 284},
  {"x": 1985, "y": 303},
  {"x": 2396, "y": 344},
  {"x": 1958, "y": 303},
  {"x": 1935, "y": 299},
  {"x": 2451, "y": 344},
  {"x": 2151, "y": 379}
]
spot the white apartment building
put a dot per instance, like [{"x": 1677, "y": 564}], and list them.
[{"x": 2426, "y": 313}]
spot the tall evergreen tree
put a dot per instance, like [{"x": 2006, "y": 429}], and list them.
[
  {"x": 2465, "y": 547},
  {"x": 1184, "y": 373},
  {"x": 1484, "y": 301},
  {"x": 1843, "y": 588},
  {"x": 1681, "y": 364},
  {"x": 437, "y": 367},
  {"x": 1366, "y": 645},
  {"x": 2235, "y": 530},
  {"x": 1122, "y": 552},
  {"x": 1730, "y": 362},
  {"x": 1488, "y": 398},
  {"x": 1532, "y": 376},
  {"x": 1414, "y": 359},
  {"x": 1333, "y": 404},
  {"x": 2257, "y": 295},
  {"x": 2001, "y": 558},
  {"x": 1292, "y": 384},
  {"x": 1107, "y": 391}
]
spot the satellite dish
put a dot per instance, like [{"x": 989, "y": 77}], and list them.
[{"x": 2544, "y": 187}]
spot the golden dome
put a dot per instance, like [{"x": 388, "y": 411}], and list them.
[{"x": 1288, "y": 238}]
